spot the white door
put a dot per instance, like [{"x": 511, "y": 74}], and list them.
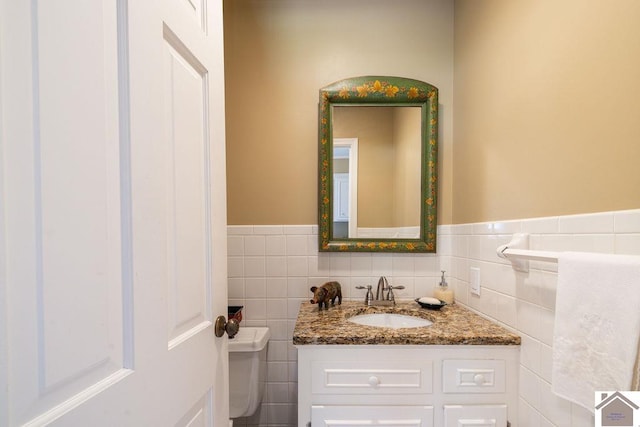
[{"x": 112, "y": 186}]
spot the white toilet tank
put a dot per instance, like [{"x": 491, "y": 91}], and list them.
[{"x": 247, "y": 370}]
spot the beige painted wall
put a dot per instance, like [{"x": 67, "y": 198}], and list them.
[
  {"x": 407, "y": 166},
  {"x": 547, "y": 108},
  {"x": 373, "y": 126},
  {"x": 279, "y": 53}
]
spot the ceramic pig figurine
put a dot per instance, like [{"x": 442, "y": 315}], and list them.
[{"x": 326, "y": 292}]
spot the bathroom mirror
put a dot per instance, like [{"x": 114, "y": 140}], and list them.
[{"x": 378, "y": 165}]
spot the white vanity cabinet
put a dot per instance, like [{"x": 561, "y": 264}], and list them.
[{"x": 408, "y": 385}]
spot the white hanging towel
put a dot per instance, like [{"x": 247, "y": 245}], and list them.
[{"x": 597, "y": 325}]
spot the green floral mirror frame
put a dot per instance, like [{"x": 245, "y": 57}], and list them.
[{"x": 379, "y": 91}]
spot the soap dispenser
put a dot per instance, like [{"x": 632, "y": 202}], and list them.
[{"x": 442, "y": 291}]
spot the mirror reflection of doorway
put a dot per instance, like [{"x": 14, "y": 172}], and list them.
[{"x": 345, "y": 188}]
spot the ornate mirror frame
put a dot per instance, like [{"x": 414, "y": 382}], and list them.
[{"x": 379, "y": 91}]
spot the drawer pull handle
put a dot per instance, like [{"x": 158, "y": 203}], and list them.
[
  {"x": 478, "y": 379},
  {"x": 374, "y": 381}
]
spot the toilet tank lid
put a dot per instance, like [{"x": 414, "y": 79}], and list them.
[{"x": 249, "y": 339}]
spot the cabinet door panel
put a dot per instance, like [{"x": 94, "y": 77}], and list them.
[
  {"x": 370, "y": 378},
  {"x": 473, "y": 376},
  {"x": 380, "y": 416},
  {"x": 475, "y": 415}
]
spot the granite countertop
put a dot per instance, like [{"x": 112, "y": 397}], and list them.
[{"x": 452, "y": 325}]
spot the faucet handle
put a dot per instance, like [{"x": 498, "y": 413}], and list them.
[
  {"x": 369, "y": 296},
  {"x": 390, "y": 295}
]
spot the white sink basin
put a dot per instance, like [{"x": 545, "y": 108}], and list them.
[{"x": 390, "y": 320}]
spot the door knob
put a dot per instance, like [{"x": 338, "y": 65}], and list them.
[{"x": 221, "y": 326}]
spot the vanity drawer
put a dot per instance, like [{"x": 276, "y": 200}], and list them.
[
  {"x": 397, "y": 377},
  {"x": 473, "y": 376}
]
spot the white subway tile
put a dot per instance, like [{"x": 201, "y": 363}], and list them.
[
  {"x": 603, "y": 243},
  {"x": 268, "y": 229},
  {"x": 547, "y": 320},
  {"x": 293, "y": 378},
  {"x": 462, "y": 229},
  {"x": 254, "y": 266},
  {"x": 275, "y": 245},
  {"x": 276, "y": 308},
  {"x": 255, "y": 287},
  {"x": 381, "y": 264},
  {"x": 276, "y": 287},
  {"x": 276, "y": 266},
  {"x": 488, "y": 303},
  {"x": 581, "y": 417},
  {"x": 361, "y": 264},
  {"x": 548, "y": 288},
  {"x": 530, "y": 387},
  {"x": 556, "y": 409},
  {"x": 460, "y": 246},
  {"x": 506, "y": 311},
  {"x": 445, "y": 265},
  {"x": 312, "y": 244},
  {"x": 235, "y": 267},
  {"x": 408, "y": 293},
  {"x": 254, "y": 245},
  {"x": 546, "y": 225},
  {"x": 297, "y": 266},
  {"x": 628, "y": 244},
  {"x": 424, "y": 286},
  {"x": 475, "y": 247},
  {"x": 402, "y": 265},
  {"x": 499, "y": 227},
  {"x": 312, "y": 265},
  {"x": 278, "y": 329},
  {"x": 627, "y": 221},
  {"x": 444, "y": 245},
  {"x": 546, "y": 423},
  {"x": 505, "y": 280},
  {"x": 443, "y": 230},
  {"x": 340, "y": 264},
  {"x": 426, "y": 265},
  {"x": 235, "y": 246},
  {"x": 277, "y": 373},
  {"x": 546, "y": 362},
  {"x": 588, "y": 223},
  {"x": 529, "y": 318},
  {"x": 530, "y": 353},
  {"x": 527, "y": 415},
  {"x": 254, "y": 309},
  {"x": 279, "y": 414},
  {"x": 297, "y": 244},
  {"x": 299, "y": 287},
  {"x": 239, "y": 230},
  {"x": 277, "y": 351},
  {"x": 323, "y": 265},
  {"x": 236, "y": 288},
  {"x": 461, "y": 290},
  {"x": 298, "y": 229},
  {"x": 277, "y": 389},
  {"x": 293, "y": 307}
]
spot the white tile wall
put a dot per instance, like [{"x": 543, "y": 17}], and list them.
[{"x": 271, "y": 269}]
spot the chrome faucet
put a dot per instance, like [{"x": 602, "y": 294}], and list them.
[
  {"x": 382, "y": 285},
  {"x": 380, "y": 299}
]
